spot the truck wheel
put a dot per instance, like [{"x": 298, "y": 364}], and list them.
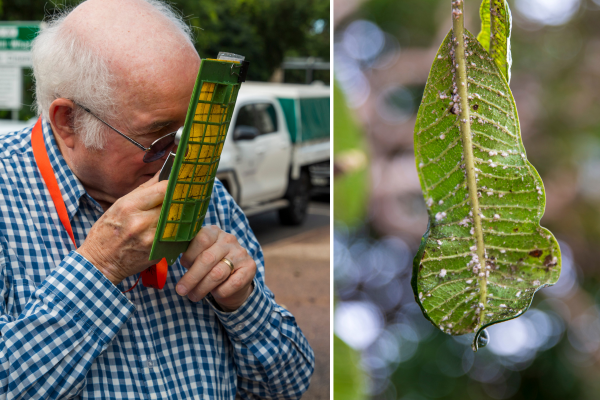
[{"x": 298, "y": 196}]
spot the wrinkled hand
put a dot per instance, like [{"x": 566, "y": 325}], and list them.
[
  {"x": 120, "y": 241},
  {"x": 208, "y": 274}
]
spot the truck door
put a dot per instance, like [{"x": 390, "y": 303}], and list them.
[{"x": 266, "y": 158}]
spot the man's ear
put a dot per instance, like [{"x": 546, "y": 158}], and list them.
[{"x": 61, "y": 118}]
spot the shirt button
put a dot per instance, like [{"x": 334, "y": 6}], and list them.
[
  {"x": 239, "y": 327},
  {"x": 150, "y": 364}
]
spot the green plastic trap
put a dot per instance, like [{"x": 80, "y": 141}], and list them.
[{"x": 193, "y": 172}]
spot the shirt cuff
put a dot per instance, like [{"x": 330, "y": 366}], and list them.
[
  {"x": 250, "y": 319},
  {"x": 81, "y": 287}
]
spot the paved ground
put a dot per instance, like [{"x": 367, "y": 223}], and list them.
[
  {"x": 267, "y": 228},
  {"x": 297, "y": 271}
]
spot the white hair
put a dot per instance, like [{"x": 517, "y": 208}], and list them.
[{"x": 65, "y": 66}]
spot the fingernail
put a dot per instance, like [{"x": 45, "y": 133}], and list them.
[{"x": 181, "y": 290}]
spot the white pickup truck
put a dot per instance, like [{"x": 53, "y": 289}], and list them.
[{"x": 277, "y": 149}]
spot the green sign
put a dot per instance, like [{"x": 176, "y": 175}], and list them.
[
  {"x": 17, "y": 36},
  {"x": 15, "y": 54}
]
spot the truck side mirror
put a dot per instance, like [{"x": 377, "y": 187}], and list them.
[{"x": 245, "y": 132}]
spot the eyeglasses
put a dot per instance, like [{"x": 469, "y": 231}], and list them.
[{"x": 157, "y": 149}]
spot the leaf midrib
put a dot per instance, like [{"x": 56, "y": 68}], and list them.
[{"x": 465, "y": 129}]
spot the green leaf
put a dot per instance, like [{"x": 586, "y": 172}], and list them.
[
  {"x": 496, "y": 23},
  {"x": 350, "y": 191},
  {"x": 484, "y": 254},
  {"x": 348, "y": 379}
]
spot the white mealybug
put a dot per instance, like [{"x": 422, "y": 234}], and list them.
[
  {"x": 441, "y": 202},
  {"x": 442, "y": 136},
  {"x": 440, "y": 216},
  {"x": 442, "y": 273},
  {"x": 518, "y": 293},
  {"x": 493, "y": 152},
  {"x": 429, "y": 202},
  {"x": 496, "y": 216},
  {"x": 502, "y": 306}
]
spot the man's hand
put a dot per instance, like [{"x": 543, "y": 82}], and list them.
[
  {"x": 208, "y": 274},
  {"x": 119, "y": 243}
]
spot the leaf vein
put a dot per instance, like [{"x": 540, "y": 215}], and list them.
[
  {"x": 466, "y": 290},
  {"x": 440, "y": 258},
  {"x": 443, "y": 153},
  {"x": 494, "y": 123},
  {"x": 492, "y": 138},
  {"x": 491, "y": 89},
  {"x": 443, "y": 178}
]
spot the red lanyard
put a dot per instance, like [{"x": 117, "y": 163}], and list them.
[
  {"x": 155, "y": 276},
  {"x": 43, "y": 163}
]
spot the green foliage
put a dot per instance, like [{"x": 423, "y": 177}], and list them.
[
  {"x": 484, "y": 254},
  {"x": 263, "y": 30},
  {"x": 351, "y": 176},
  {"x": 411, "y": 22},
  {"x": 496, "y": 24},
  {"x": 348, "y": 380}
]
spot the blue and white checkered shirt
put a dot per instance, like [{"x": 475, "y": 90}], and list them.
[{"x": 67, "y": 332}]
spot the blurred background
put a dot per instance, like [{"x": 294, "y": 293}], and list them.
[
  {"x": 286, "y": 42},
  {"x": 384, "y": 348}
]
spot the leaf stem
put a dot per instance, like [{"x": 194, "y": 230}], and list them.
[{"x": 465, "y": 129}]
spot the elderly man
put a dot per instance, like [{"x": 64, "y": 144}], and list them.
[{"x": 69, "y": 327}]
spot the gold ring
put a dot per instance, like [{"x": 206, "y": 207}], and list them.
[{"x": 229, "y": 263}]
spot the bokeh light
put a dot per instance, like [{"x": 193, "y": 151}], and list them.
[
  {"x": 358, "y": 323},
  {"x": 363, "y": 40},
  {"x": 548, "y": 12}
]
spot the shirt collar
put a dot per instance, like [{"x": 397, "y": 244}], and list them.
[{"x": 70, "y": 186}]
